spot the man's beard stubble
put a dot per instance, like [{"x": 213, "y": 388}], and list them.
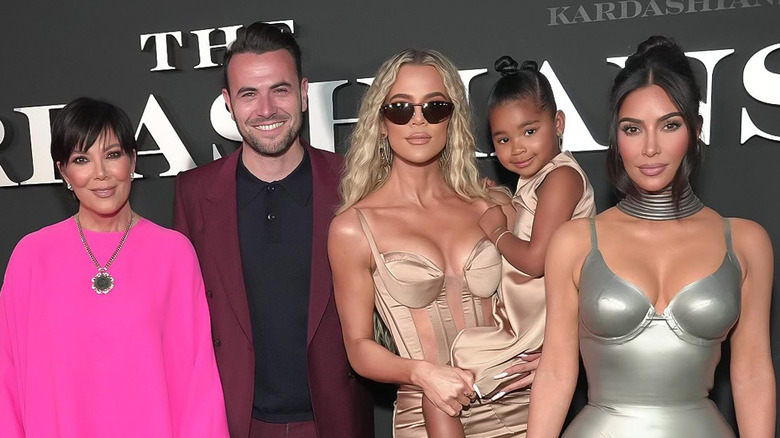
[{"x": 275, "y": 148}]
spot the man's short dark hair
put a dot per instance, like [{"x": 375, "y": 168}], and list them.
[{"x": 259, "y": 38}]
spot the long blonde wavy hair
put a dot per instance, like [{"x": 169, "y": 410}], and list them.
[{"x": 365, "y": 171}]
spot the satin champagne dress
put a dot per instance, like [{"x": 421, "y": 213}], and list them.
[
  {"x": 649, "y": 375},
  {"x": 519, "y": 307},
  {"x": 413, "y": 295}
]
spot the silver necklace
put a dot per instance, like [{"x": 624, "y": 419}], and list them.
[
  {"x": 660, "y": 206},
  {"x": 103, "y": 282}
]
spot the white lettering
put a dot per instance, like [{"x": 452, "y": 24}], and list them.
[
  {"x": 205, "y": 47},
  {"x": 578, "y": 135},
  {"x": 321, "y": 118},
  {"x": 601, "y": 12},
  {"x": 710, "y": 59},
  {"x": 222, "y": 121},
  {"x": 624, "y": 9},
  {"x": 39, "y": 118},
  {"x": 4, "y": 180},
  {"x": 762, "y": 84},
  {"x": 619, "y": 61},
  {"x": 467, "y": 75},
  {"x": 168, "y": 141},
  {"x": 692, "y": 6},
  {"x": 748, "y": 129},
  {"x": 288, "y": 23},
  {"x": 161, "y": 48},
  {"x": 556, "y": 14}
]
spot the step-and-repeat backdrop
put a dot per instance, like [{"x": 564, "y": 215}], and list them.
[{"x": 160, "y": 61}]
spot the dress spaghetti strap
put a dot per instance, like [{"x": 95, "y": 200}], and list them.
[{"x": 594, "y": 240}]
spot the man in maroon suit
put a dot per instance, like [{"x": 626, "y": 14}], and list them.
[{"x": 258, "y": 219}]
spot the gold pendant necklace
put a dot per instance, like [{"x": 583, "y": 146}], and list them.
[{"x": 103, "y": 282}]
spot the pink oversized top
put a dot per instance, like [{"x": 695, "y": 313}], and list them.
[{"x": 137, "y": 362}]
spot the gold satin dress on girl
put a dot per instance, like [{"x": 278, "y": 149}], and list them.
[{"x": 519, "y": 307}]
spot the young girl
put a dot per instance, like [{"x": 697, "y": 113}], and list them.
[{"x": 527, "y": 132}]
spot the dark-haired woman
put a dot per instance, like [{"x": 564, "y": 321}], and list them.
[
  {"x": 104, "y": 327},
  {"x": 649, "y": 289}
]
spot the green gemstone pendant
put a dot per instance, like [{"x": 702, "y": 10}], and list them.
[{"x": 102, "y": 282}]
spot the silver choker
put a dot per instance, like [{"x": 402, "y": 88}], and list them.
[{"x": 660, "y": 206}]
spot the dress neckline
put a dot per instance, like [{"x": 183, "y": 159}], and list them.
[
  {"x": 729, "y": 256},
  {"x": 475, "y": 250},
  {"x": 679, "y": 292}
]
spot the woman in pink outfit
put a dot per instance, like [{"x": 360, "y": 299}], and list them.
[{"x": 104, "y": 326}]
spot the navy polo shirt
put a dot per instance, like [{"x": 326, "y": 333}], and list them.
[{"x": 275, "y": 232}]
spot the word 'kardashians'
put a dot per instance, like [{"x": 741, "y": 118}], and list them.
[{"x": 630, "y": 9}]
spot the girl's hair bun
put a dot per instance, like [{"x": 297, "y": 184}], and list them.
[
  {"x": 506, "y": 66},
  {"x": 530, "y": 65}
]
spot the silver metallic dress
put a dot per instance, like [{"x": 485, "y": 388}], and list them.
[{"x": 649, "y": 375}]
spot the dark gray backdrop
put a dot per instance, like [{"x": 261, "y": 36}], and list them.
[{"x": 53, "y": 52}]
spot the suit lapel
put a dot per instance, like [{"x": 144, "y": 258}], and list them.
[
  {"x": 326, "y": 199},
  {"x": 221, "y": 223}
]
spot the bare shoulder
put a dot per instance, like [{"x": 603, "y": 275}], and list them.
[
  {"x": 347, "y": 242},
  {"x": 572, "y": 239},
  {"x": 747, "y": 229},
  {"x": 564, "y": 175},
  {"x": 563, "y": 183},
  {"x": 750, "y": 240},
  {"x": 346, "y": 225}
]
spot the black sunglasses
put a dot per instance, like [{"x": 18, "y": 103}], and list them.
[{"x": 401, "y": 112}]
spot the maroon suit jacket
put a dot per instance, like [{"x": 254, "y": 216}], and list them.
[{"x": 206, "y": 212}]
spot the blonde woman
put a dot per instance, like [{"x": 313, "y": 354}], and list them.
[{"x": 407, "y": 242}]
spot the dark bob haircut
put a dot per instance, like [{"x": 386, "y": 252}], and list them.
[
  {"x": 79, "y": 125},
  {"x": 259, "y": 38},
  {"x": 657, "y": 61},
  {"x": 521, "y": 83}
]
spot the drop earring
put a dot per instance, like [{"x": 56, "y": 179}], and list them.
[
  {"x": 445, "y": 154},
  {"x": 384, "y": 152}
]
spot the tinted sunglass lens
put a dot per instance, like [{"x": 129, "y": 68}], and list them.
[
  {"x": 437, "y": 112},
  {"x": 399, "y": 113}
]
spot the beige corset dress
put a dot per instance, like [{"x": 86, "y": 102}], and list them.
[
  {"x": 518, "y": 308},
  {"x": 415, "y": 298}
]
